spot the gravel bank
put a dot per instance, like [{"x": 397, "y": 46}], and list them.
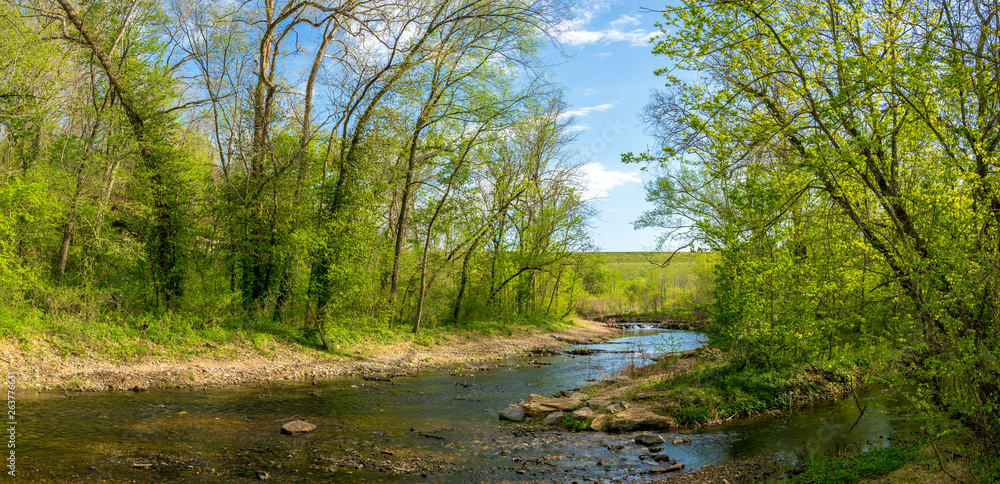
[{"x": 41, "y": 370}]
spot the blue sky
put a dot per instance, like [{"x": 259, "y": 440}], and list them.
[{"x": 608, "y": 74}]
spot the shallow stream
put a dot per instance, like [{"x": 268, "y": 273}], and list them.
[{"x": 439, "y": 426}]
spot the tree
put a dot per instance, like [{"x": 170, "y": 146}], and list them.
[{"x": 880, "y": 118}]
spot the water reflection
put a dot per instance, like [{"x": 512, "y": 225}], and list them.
[{"x": 440, "y": 425}]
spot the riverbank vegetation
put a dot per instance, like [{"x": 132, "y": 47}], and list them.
[
  {"x": 186, "y": 172},
  {"x": 670, "y": 286},
  {"x": 841, "y": 160}
]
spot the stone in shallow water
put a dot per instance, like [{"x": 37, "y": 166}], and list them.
[
  {"x": 539, "y": 405},
  {"x": 297, "y": 427},
  {"x": 682, "y": 439},
  {"x": 514, "y": 412},
  {"x": 639, "y": 418},
  {"x": 674, "y": 468},
  {"x": 649, "y": 439}
]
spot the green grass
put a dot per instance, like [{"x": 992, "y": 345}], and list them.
[
  {"x": 857, "y": 467},
  {"x": 123, "y": 338},
  {"x": 723, "y": 389}
]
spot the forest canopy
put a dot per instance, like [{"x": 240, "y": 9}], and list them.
[{"x": 304, "y": 163}]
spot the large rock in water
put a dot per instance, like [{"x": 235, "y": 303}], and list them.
[
  {"x": 682, "y": 439},
  {"x": 649, "y": 440},
  {"x": 514, "y": 412},
  {"x": 297, "y": 427},
  {"x": 639, "y": 418},
  {"x": 539, "y": 405}
]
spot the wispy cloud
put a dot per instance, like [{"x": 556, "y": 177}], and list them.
[
  {"x": 589, "y": 92},
  {"x": 598, "y": 181},
  {"x": 577, "y": 31},
  {"x": 587, "y": 110},
  {"x": 625, "y": 21},
  {"x": 604, "y": 54}
]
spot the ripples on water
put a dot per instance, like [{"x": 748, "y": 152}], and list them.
[{"x": 231, "y": 434}]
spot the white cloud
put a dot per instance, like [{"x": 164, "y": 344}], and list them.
[
  {"x": 576, "y": 31},
  {"x": 589, "y": 92},
  {"x": 597, "y": 181},
  {"x": 587, "y": 110},
  {"x": 604, "y": 54},
  {"x": 625, "y": 21}
]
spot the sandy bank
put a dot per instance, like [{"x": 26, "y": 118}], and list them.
[{"x": 40, "y": 370}]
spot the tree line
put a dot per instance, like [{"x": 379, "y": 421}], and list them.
[
  {"x": 292, "y": 161},
  {"x": 841, "y": 157}
]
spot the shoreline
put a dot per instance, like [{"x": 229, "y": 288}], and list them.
[{"x": 43, "y": 372}]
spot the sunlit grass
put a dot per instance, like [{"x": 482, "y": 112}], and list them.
[{"x": 124, "y": 338}]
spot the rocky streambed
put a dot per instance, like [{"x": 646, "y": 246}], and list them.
[
  {"x": 437, "y": 426},
  {"x": 578, "y": 410}
]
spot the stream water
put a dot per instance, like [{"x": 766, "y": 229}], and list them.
[{"x": 439, "y": 426}]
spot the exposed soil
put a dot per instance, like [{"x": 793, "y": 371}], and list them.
[{"x": 41, "y": 370}]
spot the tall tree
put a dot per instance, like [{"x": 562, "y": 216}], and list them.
[{"x": 883, "y": 115}]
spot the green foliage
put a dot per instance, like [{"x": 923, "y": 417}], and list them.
[
  {"x": 576, "y": 424},
  {"x": 156, "y": 198},
  {"x": 846, "y": 202},
  {"x": 858, "y": 467},
  {"x": 692, "y": 415},
  {"x": 724, "y": 389},
  {"x": 635, "y": 283}
]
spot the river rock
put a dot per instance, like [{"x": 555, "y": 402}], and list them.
[
  {"x": 639, "y": 418},
  {"x": 584, "y": 413},
  {"x": 649, "y": 440},
  {"x": 580, "y": 396},
  {"x": 681, "y": 439},
  {"x": 538, "y": 405},
  {"x": 599, "y": 402},
  {"x": 661, "y": 458},
  {"x": 674, "y": 468},
  {"x": 514, "y": 412},
  {"x": 553, "y": 418},
  {"x": 599, "y": 423},
  {"x": 615, "y": 408},
  {"x": 297, "y": 427}
]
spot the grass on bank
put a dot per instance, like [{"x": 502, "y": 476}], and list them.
[
  {"x": 857, "y": 468},
  {"x": 950, "y": 457},
  {"x": 718, "y": 388},
  {"x": 116, "y": 337}
]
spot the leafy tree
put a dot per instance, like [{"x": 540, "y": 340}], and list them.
[{"x": 873, "y": 124}]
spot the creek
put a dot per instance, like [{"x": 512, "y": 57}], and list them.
[{"x": 438, "y": 426}]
